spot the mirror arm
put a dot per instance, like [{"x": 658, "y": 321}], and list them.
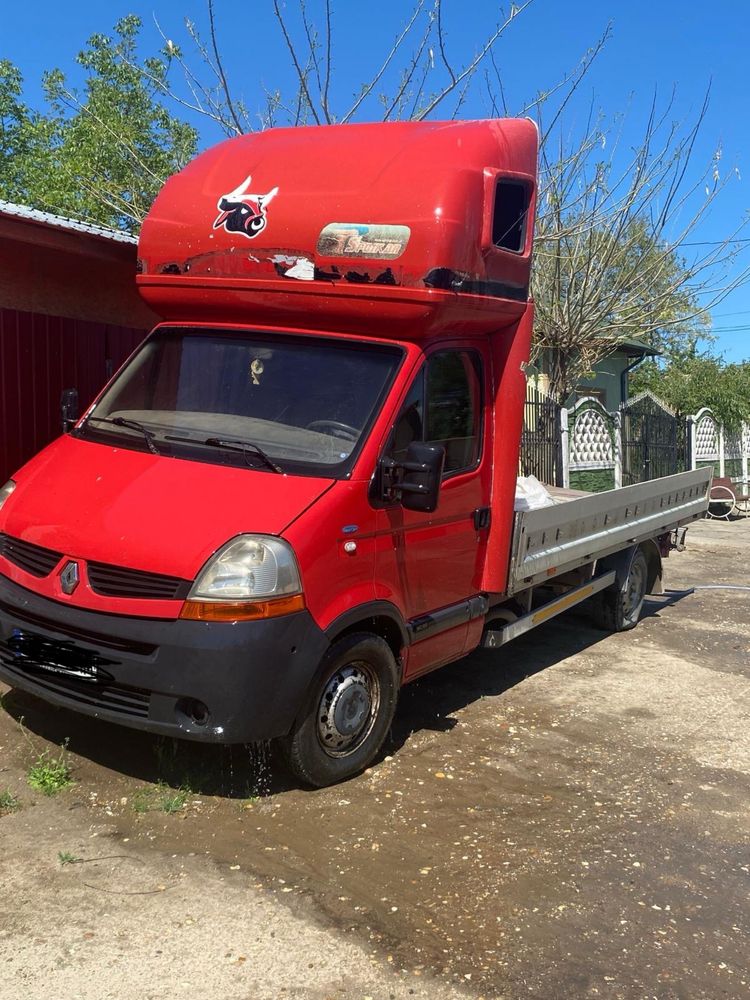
[{"x": 69, "y": 409}]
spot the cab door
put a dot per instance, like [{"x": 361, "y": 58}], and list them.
[{"x": 432, "y": 563}]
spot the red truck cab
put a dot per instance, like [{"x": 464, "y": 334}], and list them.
[{"x": 297, "y": 495}]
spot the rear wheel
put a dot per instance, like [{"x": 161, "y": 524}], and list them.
[
  {"x": 619, "y": 608},
  {"x": 348, "y": 714}
]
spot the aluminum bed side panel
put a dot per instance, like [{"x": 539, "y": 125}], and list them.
[{"x": 556, "y": 539}]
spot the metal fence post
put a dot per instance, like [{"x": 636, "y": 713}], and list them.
[
  {"x": 744, "y": 445},
  {"x": 617, "y": 430},
  {"x": 692, "y": 444},
  {"x": 565, "y": 447},
  {"x": 722, "y": 450}
]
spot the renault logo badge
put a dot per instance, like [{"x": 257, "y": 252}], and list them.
[{"x": 69, "y": 577}]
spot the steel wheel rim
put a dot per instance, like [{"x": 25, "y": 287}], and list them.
[
  {"x": 347, "y": 709},
  {"x": 635, "y": 587}
]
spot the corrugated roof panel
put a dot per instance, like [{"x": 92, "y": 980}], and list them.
[{"x": 60, "y": 222}]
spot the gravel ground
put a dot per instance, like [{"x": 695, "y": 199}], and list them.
[{"x": 563, "y": 817}]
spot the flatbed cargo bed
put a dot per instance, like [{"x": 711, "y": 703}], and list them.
[{"x": 555, "y": 540}]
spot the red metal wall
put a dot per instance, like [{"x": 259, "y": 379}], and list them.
[{"x": 41, "y": 355}]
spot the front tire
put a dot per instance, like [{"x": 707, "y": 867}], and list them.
[
  {"x": 348, "y": 713},
  {"x": 619, "y": 608}
]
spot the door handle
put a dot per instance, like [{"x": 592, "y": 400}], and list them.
[{"x": 482, "y": 518}]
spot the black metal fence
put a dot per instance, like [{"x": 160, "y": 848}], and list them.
[
  {"x": 541, "y": 440},
  {"x": 649, "y": 441},
  {"x": 655, "y": 442}
]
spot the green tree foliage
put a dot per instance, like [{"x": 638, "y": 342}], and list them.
[
  {"x": 101, "y": 153},
  {"x": 689, "y": 381},
  {"x": 25, "y": 140}
]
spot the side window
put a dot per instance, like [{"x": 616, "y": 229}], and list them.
[
  {"x": 509, "y": 217},
  {"x": 444, "y": 407},
  {"x": 453, "y": 401},
  {"x": 410, "y": 424}
]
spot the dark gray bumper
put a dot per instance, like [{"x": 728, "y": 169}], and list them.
[{"x": 251, "y": 676}]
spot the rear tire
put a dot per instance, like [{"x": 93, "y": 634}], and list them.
[
  {"x": 348, "y": 713},
  {"x": 617, "y": 608}
]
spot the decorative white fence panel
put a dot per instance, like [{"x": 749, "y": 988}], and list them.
[
  {"x": 592, "y": 438},
  {"x": 712, "y": 443},
  {"x": 705, "y": 436}
]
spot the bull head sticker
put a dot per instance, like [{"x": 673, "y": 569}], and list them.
[{"x": 242, "y": 212}]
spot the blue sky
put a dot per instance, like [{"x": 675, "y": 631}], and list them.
[{"x": 654, "y": 46}]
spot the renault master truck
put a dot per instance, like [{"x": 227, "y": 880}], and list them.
[{"x": 297, "y": 495}]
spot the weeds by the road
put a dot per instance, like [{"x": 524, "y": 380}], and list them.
[
  {"x": 9, "y": 802},
  {"x": 160, "y": 798},
  {"x": 174, "y": 802},
  {"x": 50, "y": 774},
  {"x": 66, "y": 858}
]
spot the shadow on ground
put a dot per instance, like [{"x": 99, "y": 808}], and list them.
[{"x": 257, "y": 771}]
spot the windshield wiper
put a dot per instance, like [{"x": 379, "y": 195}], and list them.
[
  {"x": 133, "y": 425},
  {"x": 230, "y": 445}
]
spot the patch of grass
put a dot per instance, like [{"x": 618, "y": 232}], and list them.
[
  {"x": 50, "y": 774},
  {"x": 172, "y": 803},
  {"x": 160, "y": 798},
  {"x": 141, "y": 800},
  {"x": 9, "y": 803},
  {"x": 66, "y": 858}
]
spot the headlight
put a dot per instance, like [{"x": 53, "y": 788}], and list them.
[
  {"x": 6, "y": 491},
  {"x": 249, "y": 568}
]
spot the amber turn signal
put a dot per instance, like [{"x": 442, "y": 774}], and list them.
[{"x": 241, "y": 611}]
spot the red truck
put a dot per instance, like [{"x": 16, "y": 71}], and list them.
[{"x": 298, "y": 494}]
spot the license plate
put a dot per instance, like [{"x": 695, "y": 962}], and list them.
[{"x": 33, "y": 652}]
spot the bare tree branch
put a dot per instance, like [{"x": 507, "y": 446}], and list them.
[
  {"x": 369, "y": 87},
  {"x": 329, "y": 62},
  {"x": 469, "y": 70},
  {"x": 301, "y": 76},
  {"x": 220, "y": 68},
  {"x": 441, "y": 40}
]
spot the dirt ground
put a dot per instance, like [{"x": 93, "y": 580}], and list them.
[{"x": 566, "y": 817}]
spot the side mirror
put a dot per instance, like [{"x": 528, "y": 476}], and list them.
[
  {"x": 415, "y": 482},
  {"x": 423, "y": 470},
  {"x": 69, "y": 409}
]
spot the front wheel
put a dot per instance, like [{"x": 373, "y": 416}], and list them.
[
  {"x": 348, "y": 714},
  {"x": 618, "y": 609}
]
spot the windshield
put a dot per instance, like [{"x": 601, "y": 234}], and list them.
[{"x": 280, "y": 403}]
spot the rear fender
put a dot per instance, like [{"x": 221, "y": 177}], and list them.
[{"x": 620, "y": 563}]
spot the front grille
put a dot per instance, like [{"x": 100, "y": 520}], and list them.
[
  {"x": 117, "y": 581},
  {"x": 33, "y": 558},
  {"x": 105, "y": 580},
  {"x": 111, "y": 697}
]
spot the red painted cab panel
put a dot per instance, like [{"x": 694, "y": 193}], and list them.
[{"x": 396, "y": 229}]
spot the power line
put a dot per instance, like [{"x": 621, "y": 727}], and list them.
[{"x": 713, "y": 243}]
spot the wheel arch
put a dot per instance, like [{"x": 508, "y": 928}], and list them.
[
  {"x": 620, "y": 563},
  {"x": 380, "y": 618}
]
